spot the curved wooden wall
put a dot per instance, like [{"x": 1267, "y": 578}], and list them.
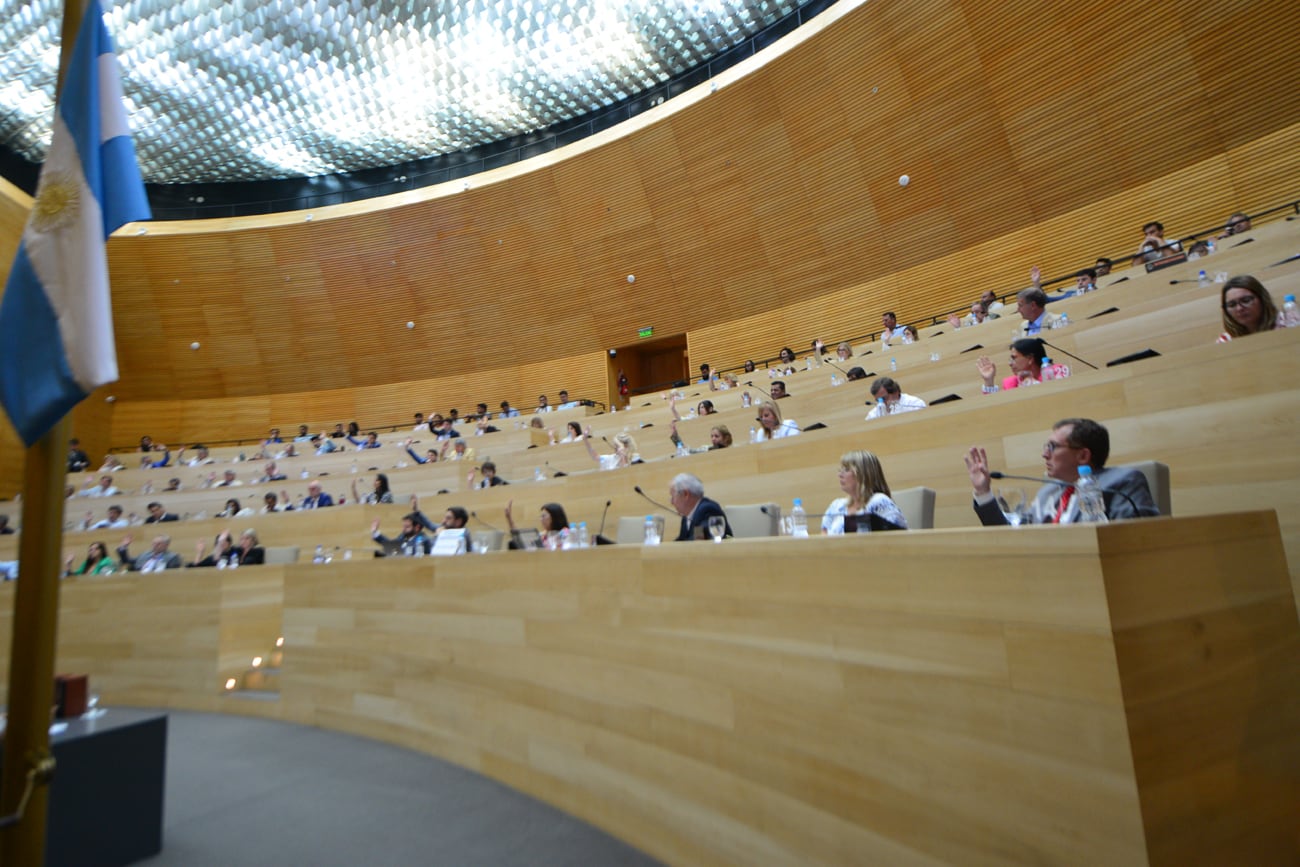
[{"x": 762, "y": 214}]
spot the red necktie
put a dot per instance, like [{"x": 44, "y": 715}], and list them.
[{"x": 1064, "y": 504}]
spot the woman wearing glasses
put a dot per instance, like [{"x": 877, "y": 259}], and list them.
[{"x": 1247, "y": 308}]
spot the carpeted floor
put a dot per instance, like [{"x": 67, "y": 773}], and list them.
[{"x": 244, "y": 791}]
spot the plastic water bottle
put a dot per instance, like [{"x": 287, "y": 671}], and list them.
[
  {"x": 835, "y": 380},
  {"x": 1048, "y": 372},
  {"x": 538, "y": 475},
  {"x": 583, "y": 540},
  {"x": 651, "y": 531},
  {"x": 1202, "y": 279},
  {"x": 1290, "y": 313},
  {"x": 746, "y": 400},
  {"x": 1064, "y": 321},
  {"x": 798, "y": 520},
  {"x": 1210, "y": 247},
  {"x": 234, "y": 561},
  {"x": 893, "y": 364},
  {"x": 1092, "y": 506},
  {"x": 682, "y": 451},
  {"x": 753, "y": 434},
  {"x": 882, "y": 406},
  {"x": 320, "y": 554}
]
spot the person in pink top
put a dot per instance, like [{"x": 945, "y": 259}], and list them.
[{"x": 1027, "y": 366}]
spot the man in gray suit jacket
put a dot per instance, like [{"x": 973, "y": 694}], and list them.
[
  {"x": 157, "y": 557},
  {"x": 1073, "y": 443}
]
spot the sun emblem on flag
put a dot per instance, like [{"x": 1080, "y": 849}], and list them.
[{"x": 57, "y": 202}]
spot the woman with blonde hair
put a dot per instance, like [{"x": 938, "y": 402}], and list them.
[
  {"x": 867, "y": 494},
  {"x": 625, "y": 451},
  {"x": 770, "y": 424}
]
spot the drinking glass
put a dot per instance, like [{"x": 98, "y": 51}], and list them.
[
  {"x": 1014, "y": 506},
  {"x": 717, "y": 526}
]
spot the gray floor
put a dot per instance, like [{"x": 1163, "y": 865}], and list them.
[{"x": 244, "y": 791}]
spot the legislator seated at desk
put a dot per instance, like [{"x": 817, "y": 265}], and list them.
[
  {"x": 686, "y": 494},
  {"x": 1073, "y": 443}
]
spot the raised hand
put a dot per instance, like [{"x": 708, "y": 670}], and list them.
[
  {"x": 977, "y": 465},
  {"x": 988, "y": 370}
]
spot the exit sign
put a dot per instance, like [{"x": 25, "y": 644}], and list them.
[{"x": 645, "y": 332}]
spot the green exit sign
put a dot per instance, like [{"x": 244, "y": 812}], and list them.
[{"x": 645, "y": 332}]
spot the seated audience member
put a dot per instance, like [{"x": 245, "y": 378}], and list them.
[
  {"x": 442, "y": 428},
  {"x": 316, "y": 498},
  {"x": 453, "y": 415},
  {"x": 490, "y": 478},
  {"x": 420, "y": 424},
  {"x": 749, "y": 366},
  {"x": 173, "y": 485},
  {"x": 889, "y": 330},
  {"x": 856, "y": 373},
  {"x": 97, "y": 562},
  {"x": 104, "y": 488},
  {"x": 705, "y": 407},
  {"x": 6, "y": 530},
  {"x": 111, "y": 464},
  {"x": 153, "y": 462},
  {"x": 114, "y": 521},
  {"x": 890, "y": 399},
  {"x": 866, "y": 493},
  {"x": 565, "y": 403},
  {"x": 535, "y": 422},
  {"x": 787, "y": 356},
  {"x": 157, "y": 557},
  {"x": 1085, "y": 281},
  {"x": 304, "y": 436},
  {"x": 146, "y": 443},
  {"x": 455, "y": 518},
  {"x": 481, "y": 411},
  {"x": 289, "y": 451},
  {"x": 1073, "y": 443},
  {"x": 977, "y": 316},
  {"x": 992, "y": 305},
  {"x": 78, "y": 460},
  {"x": 1236, "y": 225},
  {"x": 228, "y": 480},
  {"x": 1247, "y": 308},
  {"x": 1153, "y": 238},
  {"x": 200, "y": 458},
  {"x": 223, "y": 549},
  {"x": 844, "y": 351},
  {"x": 770, "y": 424},
  {"x": 1026, "y": 362},
  {"x": 706, "y": 375},
  {"x": 159, "y": 515},
  {"x": 379, "y": 494},
  {"x": 778, "y": 390},
  {"x": 625, "y": 451},
  {"x": 370, "y": 442},
  {"x": 323, "y": 445},
  {"x": 553, "y": 523},
  {"x": 234, "y": 509},
  {"x": 910, "y": 334},
  {"x": 507, "y": 411},
  {"x": 249, "y": 551},
  {"x": 271, "y": 503},
  {"x": 1031, "y": 304},
  {"x": 338, "y": 433},
  {"x": 430, "y": 457},
  {"x": 411, "y": 542},
  {"x": 686, "y": 495},
  {"x": 719, "y": 438},
  {"x": 456, "y": 450},
  {"x": 542, "y": 404},
  {"x": 271, "y": 473},
  {"x": 572, "y": 433},
  {"x": 273, "y": 439},
  {"x": 1102, "y": 266},
  {"x": 723, "y": 382}
]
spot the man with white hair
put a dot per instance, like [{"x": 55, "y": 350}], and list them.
[{"x": 686, "y": 494}]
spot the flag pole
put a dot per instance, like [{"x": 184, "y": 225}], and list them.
[{"x": 36, "y": 612}]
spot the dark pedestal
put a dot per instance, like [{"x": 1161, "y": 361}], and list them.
[{"x": 106, "y": 800}]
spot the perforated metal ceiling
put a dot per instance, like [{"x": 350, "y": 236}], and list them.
[{"x": 244, "y": 90}]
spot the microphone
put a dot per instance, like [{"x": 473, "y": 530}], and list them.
[
  {"x": 599, "y": 538},
  {"x": 1048, "y": 480},
  {"x": 1176, "y": 282},
  {"x": 837, "y": 367},
  {"x": 764, "y": 390},
  {"x": 646, "y": 496},
  {"x": 1072, "y": 355},
  {"x": 475, "y": 516}
]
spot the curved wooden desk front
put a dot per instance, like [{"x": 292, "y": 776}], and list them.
[{"x": 1128, "y": 694}]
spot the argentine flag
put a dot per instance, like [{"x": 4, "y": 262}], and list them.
[{"x": 56, "y": 317}]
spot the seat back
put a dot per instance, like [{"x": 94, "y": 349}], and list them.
[
  {"x": 917, "y": 505},
  {"x": 631, "y": 530},
  {"x": 281, "y": 554},
  {"x": 1158, "y": 481},
  {"x": 750, "y": 521}
]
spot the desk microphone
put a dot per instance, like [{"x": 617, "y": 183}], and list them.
[
  {"x": 1176, "y": 282},
  {"x": 1048, "y": 480},
  {"x": 599, "y": 538},
  {"x": 646, "y": 496},
  {"x": 475, "y": 516},
  {"x": 837, "y": 367},
  {"x": 1072, "y": 355},
  {"x": 764, "y": 390}
]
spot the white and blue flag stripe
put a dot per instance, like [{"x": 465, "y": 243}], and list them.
[{"x": 56, "y": 316}]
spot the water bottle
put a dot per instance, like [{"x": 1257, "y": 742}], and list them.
[
  {"x": 538, "y": 475},
  {"x": 1064, "y": 321},
  {"x": 1210, "y": 247},
  {"x": 893, "y": 364},
  {"x": 320, "y": 554},
  {"x": 567, "y": 535},
  {"x": 1048, "y": 373},
  {"x": 1290, "y": 313},
  {"x": 583, "y": 539},
  {"x": 234, "y": 561},
  {"x": 1202, "y": 279},
  {"x": 753, "y": 434},
  {"x": 835, "y": 380},
  {"x": 798, "y": 520},
  {"x": 1092, "y": 506},
  {"x": 416, "y": 548},
  {"x": 354, "y": 466},
  {"x": 882, "y": 406},
  {"x": 682, "y": 451},
  {"x": 651, "y": 531},
  {"x": 221, "y": 562},
  {"x": 746, "y": 400}
]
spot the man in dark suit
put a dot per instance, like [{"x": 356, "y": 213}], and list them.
[
  {"x": 159, "y": 515},
  {"x": 686, "y": 494},
  {"x": 316, "y": 499},
  {"x": 1073, "y": 443}
]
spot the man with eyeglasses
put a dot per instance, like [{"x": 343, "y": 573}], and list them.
[
  {"x": 1237, "y": 224},
  {"x": 1073, "y": 443}
]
